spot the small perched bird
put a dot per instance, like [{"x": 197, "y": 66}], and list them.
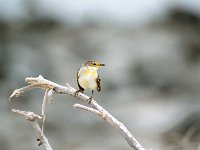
[{"x": 88, "y": 78}]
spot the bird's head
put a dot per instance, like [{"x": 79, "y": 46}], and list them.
[{"x": 93, "y": 63}]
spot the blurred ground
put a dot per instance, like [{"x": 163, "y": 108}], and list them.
[{"x": 151, "y": 82}]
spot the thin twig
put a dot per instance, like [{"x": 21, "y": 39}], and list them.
[
  {"x": 50, "y": 95},
  {"x": 43, "y": 109},
  {"x": 87, "y": 108},
  {"x": 21, "y": 91},
  {"x": 32, "y": 117},
  {"x": 40, "y": 82}
]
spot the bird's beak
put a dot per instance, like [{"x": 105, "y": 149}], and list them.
[{"x": 101, "y": 64}]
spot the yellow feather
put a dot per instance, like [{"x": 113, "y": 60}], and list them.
[{"x": 90, "y": 72}]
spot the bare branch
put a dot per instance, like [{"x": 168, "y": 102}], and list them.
[
  {"x": 40, "y": 82},
  {"x": 21, "y": 91},
  {"x": 45, "y": 99},
  {"x": 27, "y": 114},
  {"x": 32, "y": 117},
  {"x": 87, "y": 109},
  {"x": 50, "y": 95}
]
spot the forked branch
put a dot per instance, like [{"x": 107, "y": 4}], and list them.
[
  {"x": 32, "y": 117},
  {"x": 40, "y": 82}
]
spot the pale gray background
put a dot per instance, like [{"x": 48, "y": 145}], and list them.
[{"x": 151, "y": 81}]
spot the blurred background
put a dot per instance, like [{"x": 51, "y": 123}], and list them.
[{"x": 151, "y": 81}]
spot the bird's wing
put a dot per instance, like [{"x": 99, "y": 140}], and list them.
[
  {"x": 77, "y": 76},
  {"x": 98, "y": 80}
]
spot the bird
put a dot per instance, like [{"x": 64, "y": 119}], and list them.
[{"x": 88, "y": 78}]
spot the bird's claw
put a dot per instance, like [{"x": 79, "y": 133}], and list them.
[
  {"x": 76, "y": 92},
  {"x": 89, "y": 100}
]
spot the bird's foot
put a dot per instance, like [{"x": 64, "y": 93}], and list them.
[
  {"x": 76, "y": 92},
  {"x": 89, "y": 100}
]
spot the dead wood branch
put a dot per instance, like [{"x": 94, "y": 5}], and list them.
[
  {"x": 40, "y": 82},
  {"x": 32, "y": 117}
]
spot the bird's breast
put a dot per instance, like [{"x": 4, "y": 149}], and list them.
[
  {"x": 91, "y": 73},
  {"x": 87, "y": 79}
]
